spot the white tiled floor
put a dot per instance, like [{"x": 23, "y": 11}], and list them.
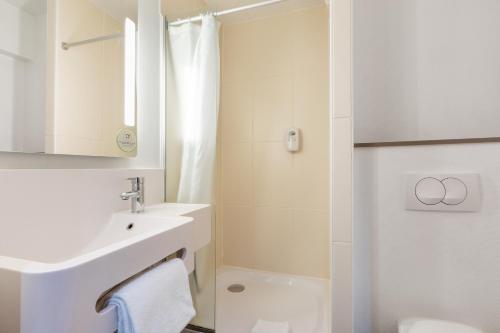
[{"x": 301, "y": 301}]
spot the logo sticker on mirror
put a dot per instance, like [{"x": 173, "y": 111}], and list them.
[{"x": 126, "y": 140}]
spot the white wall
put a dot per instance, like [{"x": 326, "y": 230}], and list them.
[
  {"x": 433, "y": 264},
  {"x": 363, "y": 225},
  {"x": 150, "y": 107},
  {"x": 426, "y": 69},
  {"x": 342, "y": 155}
]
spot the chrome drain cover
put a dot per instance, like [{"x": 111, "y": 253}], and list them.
[{"x": 236, "y": 288}]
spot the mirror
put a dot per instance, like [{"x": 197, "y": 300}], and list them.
[
  {"x": 68, "y": 77},
  {"x": 426, "y": 70}
]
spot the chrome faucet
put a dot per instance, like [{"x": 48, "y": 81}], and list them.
[{"x": 136, "y": 196}]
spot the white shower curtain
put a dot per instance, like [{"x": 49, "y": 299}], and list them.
[
  {"x": 193, "y": 104},
  {"x": 195, "y": 59}
]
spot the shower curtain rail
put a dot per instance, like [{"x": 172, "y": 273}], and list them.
[{"x": 227, "y": 11}]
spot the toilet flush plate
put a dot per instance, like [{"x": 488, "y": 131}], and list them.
[{"x": 443, "y": 192}]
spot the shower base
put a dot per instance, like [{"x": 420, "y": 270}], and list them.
[{"x": 301, "y": 301}]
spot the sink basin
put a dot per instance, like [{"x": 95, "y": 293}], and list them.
[{"x": 54, "y": 288}]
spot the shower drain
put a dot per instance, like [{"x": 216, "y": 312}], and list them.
[{"x": 236, "y": 288}]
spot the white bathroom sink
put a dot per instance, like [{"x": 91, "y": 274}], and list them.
[
  {"x": 424, "y": 325},
  {"x": 54, "y": 288}
]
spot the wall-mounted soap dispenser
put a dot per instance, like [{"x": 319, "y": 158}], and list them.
[{"x": 293, "y": 139}]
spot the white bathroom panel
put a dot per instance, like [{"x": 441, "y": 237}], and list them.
[
  {"x": 432, "y": 264},
  {"x": 426, "y": 70},
  {"x": 443, "y": 192}
]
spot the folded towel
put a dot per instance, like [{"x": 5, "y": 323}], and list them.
[
  {"x": 157, "y": 301},
  {"x": 264, "y": 326}
]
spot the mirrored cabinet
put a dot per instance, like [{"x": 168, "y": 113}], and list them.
[{"x": 68, "y": 83}]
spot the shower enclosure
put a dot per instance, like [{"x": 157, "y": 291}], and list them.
[{"x": 248, "y": 130}]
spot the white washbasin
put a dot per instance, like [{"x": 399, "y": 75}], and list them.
[
  {"x": 424, "y": 325},
  {"x": 53, "y": 286}
]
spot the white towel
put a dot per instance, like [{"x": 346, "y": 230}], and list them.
[
  {"x": 264, "y": 326},
  {"x": 158, "y": 301}
]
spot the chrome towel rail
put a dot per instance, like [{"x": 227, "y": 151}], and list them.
[{"x": 67, "y": 46}]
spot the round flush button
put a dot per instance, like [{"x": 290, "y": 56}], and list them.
[
  {"x": 430, "y": 191},
  {"x": 456, "y": 191}
]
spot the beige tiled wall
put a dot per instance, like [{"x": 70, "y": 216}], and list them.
[{"x": 275, "y": 204}]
